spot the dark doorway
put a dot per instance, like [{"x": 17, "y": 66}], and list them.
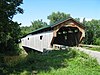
[{"x": 68, "y": 36}]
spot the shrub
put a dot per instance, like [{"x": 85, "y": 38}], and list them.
[{"x": 97, "y": 41}]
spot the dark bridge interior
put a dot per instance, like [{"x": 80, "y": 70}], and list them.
[{"x": 68, "y": 36}]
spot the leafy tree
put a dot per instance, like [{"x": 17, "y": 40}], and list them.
[
  {"x": 92, "y": 31},
  {"x": 77, "y": 19},
  {"x": 84, "y": 21},
  {"x": 35, "y": 25},
  {"x": 9, "y": 30},
  {"x": 38, "y": 24},
  {"x": 97, "y": 41},
  {"x": 54, "y": 17},
  {"x": 25, "y": 30}
]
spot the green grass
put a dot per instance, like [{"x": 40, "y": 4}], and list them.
[
  {"x": 94, "y": 48},
  {"x": 61, "y": 62}
]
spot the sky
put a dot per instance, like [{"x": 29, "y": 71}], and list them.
[{"x": 40, "y": 9}]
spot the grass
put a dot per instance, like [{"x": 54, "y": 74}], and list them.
[
  {"x": 61, "y": 62},
  {"x": 94, "y": 48}
]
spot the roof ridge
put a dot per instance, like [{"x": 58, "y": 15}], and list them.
[{"x": 60, "y": 20}]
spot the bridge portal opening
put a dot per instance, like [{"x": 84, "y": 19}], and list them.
[{"x": 68, "y": 36}]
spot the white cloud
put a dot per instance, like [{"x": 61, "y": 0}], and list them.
[{"x": 87, "y": 19}]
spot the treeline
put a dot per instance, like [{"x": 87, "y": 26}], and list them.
[{"x": 92, "y": 28}]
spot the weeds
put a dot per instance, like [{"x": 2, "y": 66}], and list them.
[{"x": 63, "y": 62}]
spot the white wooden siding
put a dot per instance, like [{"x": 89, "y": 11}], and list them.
[{"x": 36, "y": 43}]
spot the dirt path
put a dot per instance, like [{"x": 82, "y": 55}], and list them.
[{"x": 94, "y": 54}]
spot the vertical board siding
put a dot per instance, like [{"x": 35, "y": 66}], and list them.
[{"x": 36, "y": 43}]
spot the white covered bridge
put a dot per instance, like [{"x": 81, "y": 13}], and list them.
[{"x": 67, "y": 32}]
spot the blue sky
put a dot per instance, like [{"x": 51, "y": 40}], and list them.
[{"x": 40, "y": 9}]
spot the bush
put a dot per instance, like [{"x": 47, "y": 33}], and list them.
[
  {"x": 97, "y": 41},
  {"x": 9, "y": 48}
]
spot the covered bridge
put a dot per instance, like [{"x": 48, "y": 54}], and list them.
[{"x": 67, "y": 32}]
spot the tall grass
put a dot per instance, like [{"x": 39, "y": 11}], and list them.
[{"x": 63, "y": 62}]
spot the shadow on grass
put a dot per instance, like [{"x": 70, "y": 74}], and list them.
[{"x": 41, "y": 62}]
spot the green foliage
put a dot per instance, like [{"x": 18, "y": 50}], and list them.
[
  {"x": 25, "y": 30},
  {"x": 92, "y": 31},
  {"x": 35, "y": 25},
  {"x": 77, "y": 19},
  {"x": 94, "y": 48},
  {"x": 38, "y": 24},
  {"x": 97, "y": 41},
  {"x": 56, "y": 62},
  {"x": 9, "y": 30},
  {"x": 25, "y": 73},
  {"x": 82, "y": 64},
  {"x": 54, "y": 17}
]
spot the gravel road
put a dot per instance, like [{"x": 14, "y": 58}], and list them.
[{"x": 94, "y": 54}]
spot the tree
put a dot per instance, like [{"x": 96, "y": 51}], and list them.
[
  {"x": 38, "y": 24},
  {"x": 92, "y": 31},
  {"x": 84, "y": 21},
  {"x": 25, "y": 30},
  {"x": 77, "y": 19},
  {"x": 35, "y": 25},
  {"x": 54, "y": 17},
  {"x": 9, "y": 30}
]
